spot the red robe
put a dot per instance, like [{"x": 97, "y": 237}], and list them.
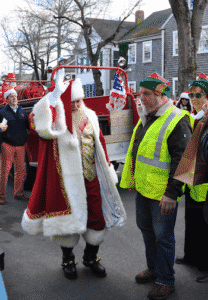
[{"x": 49, "y": 186}]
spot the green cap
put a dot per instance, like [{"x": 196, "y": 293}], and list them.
[
  {"x": 201, "y": 82},
  {"x": 156, "y": 82}
]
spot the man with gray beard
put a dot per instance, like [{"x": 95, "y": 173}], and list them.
[{"x": 158, "y": 142}]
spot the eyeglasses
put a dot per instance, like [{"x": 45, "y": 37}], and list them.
[
  {"x": 184, "y": 99},
  {"x": 197, "y": 95}
]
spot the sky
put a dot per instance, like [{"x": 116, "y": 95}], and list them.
[{"x": 149, "y": 6}]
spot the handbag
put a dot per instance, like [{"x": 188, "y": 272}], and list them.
[{"x": 192, "y": 168}]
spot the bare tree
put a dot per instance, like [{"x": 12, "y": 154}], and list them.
[
  {"x": 82, "y": 11},
  {"x": 39, "y": 36},
  {"x": 31, "y": 43},
  {"x": 60, "y": 30},
  {"x": 189, "y": 25}
]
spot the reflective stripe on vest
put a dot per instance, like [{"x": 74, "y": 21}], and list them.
[{"x": 155, "y": 162}]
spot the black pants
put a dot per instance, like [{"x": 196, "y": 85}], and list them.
[{"x": 196, "y": 234}]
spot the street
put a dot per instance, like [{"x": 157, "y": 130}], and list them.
[{"x": 33, "y": 263}]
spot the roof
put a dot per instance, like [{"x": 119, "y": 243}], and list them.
[
  {"x": 151, "y": 25},
  {"x": 105, "y": 28}
]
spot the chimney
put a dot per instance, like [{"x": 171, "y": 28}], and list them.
[{"x": 139, "y": 16}]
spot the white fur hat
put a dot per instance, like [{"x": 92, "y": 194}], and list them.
[
  {"x": 184, "y": 96},
  {"x": 7, "y": 93},
  {"x": 77, "y": 90}
]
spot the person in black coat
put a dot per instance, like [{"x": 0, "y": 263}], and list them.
[
  {"x": 204, "y": 153},
  {"x": 14, "y": 137}
]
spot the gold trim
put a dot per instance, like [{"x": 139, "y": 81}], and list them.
[
  {"x": 58, "y": 167},
  {"x": 35, "y": 216},
  {"x": 59, "y": 213}
]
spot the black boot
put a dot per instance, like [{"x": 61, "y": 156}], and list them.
[
  {"x": 90, "y": 260},
  {"x": 69, "y": 264}
]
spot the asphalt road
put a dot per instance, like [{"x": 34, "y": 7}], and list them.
[{"x": 33, "y": 263}]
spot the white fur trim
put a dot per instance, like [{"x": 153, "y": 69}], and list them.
[
  {"x": 11, "y": 91},
  {"x": 112, "y": 206},
  {"x": 43, "y": 118},
  {"x": 32, "y": 226},
  {"x": 199, "y": 115},
  {"x": 72, "y": 172},
  {"x": 69, "y": 241},
  {"x": 184, "y": 96},
  {"x": 113, "y": 174},
  {"x": 77, "y": 90},
  {"x": 94, "y": 237}
]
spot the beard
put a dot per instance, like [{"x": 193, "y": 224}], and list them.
[
  {"x": 144, "y": 111},
  {"x": 78, "y": 116}
]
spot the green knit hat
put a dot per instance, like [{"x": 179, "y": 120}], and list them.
[
  {"x": 201, "y": 82},
  {"x": 155, "y": 82}
]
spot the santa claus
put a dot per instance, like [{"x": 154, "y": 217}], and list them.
[{"x": 75, "y": 188}]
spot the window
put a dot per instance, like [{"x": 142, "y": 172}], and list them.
[
  {"x": 175, "y": 87},
  {"x": 89, "y": 90},
  {"x": 78, "y": 63},
  {"x": 101, "y": 59},
  {"x": 147, "y": 51},
  {"x": 132, "y": 54},
  {"x": 115, "y": 58},
  {"x": 82, "y": 63},
  {"x": 203, "y": 43},
  {"x": 132, "y": 85},
  {"x": 175, "y": 43},
  {"x": 190, "y": 4}
]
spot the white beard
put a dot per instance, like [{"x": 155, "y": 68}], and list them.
[{"x": 143, "y": 112}]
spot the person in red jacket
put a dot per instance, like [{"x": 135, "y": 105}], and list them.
[{"x": 74, "y": 193}]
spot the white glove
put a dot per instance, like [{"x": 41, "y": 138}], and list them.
[{"x": 60, "y": 87}]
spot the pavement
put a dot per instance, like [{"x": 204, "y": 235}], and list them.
[{"x": 33, "y": 263}]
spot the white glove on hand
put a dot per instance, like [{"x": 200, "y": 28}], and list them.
[{"x": 60, "y": 87}]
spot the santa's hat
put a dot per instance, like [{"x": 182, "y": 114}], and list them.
[
  {"x": 77, "y": 90},
  {"x": 184, "y": 96},
  {"x": 156, "y": 83},
  {"x": 202, "y": 82},
  {"x": 11, "y": 91},
  {"x": 73, "y": 92}
]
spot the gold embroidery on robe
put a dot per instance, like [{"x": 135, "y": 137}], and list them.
[{"x": 88, "y": 151}]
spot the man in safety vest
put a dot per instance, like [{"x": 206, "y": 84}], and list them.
[{"x": 157, "y": 144}]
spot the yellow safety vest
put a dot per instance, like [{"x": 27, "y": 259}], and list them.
[{"x": 152, "y": 166}]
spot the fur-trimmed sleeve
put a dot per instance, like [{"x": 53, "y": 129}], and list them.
[{"x": 43, "y": 120}]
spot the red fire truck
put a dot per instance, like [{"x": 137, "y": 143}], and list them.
[{"x": 116, "y": 126}]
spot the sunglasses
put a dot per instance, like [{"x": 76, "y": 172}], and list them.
[{"x": 197, "y": 95}]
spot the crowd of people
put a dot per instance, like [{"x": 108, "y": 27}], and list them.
[{"x": 75, "y": 191}]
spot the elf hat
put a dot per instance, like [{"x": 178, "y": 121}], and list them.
[
  {"x": 156, "y": 83},
  {"x": 201, "y": 82},
  {"x": 11, "y": 91}
]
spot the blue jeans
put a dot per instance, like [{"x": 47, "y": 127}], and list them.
[{"x": 159, "y": 239}]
